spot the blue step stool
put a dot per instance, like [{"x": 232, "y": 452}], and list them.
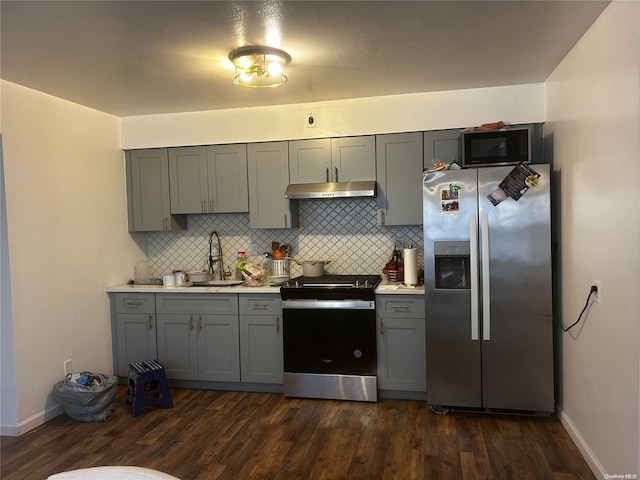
[{"x": 147, "y": 386}]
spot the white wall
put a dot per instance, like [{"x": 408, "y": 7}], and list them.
[
  {"x": 67, "y": 240},
  {"x": 592, "y": 113},
  {"x": 397, "y": 113}
]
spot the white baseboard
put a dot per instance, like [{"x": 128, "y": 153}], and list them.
[
  {"x": 595, "y": 466},
  {"x": 20, "y": 428}
]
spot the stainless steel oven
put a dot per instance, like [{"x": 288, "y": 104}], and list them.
[{"x": 329, "y": 337}]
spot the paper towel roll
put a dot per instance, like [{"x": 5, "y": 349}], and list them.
[{"x": 410, "y": 266}]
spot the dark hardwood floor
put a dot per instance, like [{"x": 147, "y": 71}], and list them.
[{"x": 234, "y": 435}]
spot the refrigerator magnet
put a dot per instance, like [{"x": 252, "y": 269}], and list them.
[
  {"x": 519, "y": 180},
  {"x": 516, "y": 184},
  {"x": 450, "y": 199}
]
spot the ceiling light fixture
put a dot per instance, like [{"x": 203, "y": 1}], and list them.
[{"x": 259, "y": 67}]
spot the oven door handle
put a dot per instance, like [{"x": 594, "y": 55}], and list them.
[{"x": 333, "y": 304}]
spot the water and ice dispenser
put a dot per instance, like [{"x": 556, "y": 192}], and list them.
[{"x": 452, "y": 265}]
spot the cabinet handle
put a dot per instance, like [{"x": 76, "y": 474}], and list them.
[
  {"x": 404, "y": 308},
  {"x": 199, "y": 323},
  {"x": 190, "y": 322},
  {"x": 204, "y": 206},
  {"x": 336, "y": 179},
  {"x": 259, "y": 306},
  {"x": 211, "y": 205},
  {"x": 380, "y": 217},
  {"x": 327, "y": 174},
  {"x": 277, "y": 324},
  {"x": 150, "y": 322},
  {"x": 381, "y": 329},
  {"x": 133, "y": 304},
  {"x": 285, "y": 220},
  {"x": 164, "y": 223}
]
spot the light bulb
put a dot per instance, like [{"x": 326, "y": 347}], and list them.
[{"x": 274, "y": 68}]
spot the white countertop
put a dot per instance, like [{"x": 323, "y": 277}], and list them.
[
  {"x": 180, "y": 289},
  {"x": 385, "y": 287},
  {"x": 397, "y": 288}
]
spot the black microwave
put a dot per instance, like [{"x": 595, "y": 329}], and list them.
[{"x": 508, "y": 146}]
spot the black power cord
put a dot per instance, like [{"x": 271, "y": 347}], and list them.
[{"x": 593, "y": 290}]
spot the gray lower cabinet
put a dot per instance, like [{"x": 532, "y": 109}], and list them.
[
  {"x": 135, "y": 324},
  {"x": 401, "y": 343},
  {"x": 261, "y": 348},
  {"x": 148, "y": 198},
  {"x": 198, "y": 336},
  {"x": 399, "y": 170}
]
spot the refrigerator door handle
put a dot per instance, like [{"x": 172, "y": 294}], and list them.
[
  {"x": 473, "y": 258},
  {"x": 486, "y": 285}
]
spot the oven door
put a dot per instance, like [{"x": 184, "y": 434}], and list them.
[{"x": 330, "y": 349}]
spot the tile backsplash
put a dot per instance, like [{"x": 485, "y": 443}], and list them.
[{"x": 341, "y": 230}]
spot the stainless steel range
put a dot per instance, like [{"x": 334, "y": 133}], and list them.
[{"x": 330, "y": 337}]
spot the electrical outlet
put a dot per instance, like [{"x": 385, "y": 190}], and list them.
[
  {"x": 399, "y": 243},
  {"x": 311, "y": 120},
  {"x": 68, "y": 369},
  {"x": 598, "y": 295},
  {"x": 253, "y": 251}
]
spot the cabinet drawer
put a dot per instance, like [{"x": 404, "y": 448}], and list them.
[
  {"x": 184, "y": 303},
  {"x": 406, "y": 306},
  {"x": 260, "y": 305},
  {"x": 135, "y": 303}
]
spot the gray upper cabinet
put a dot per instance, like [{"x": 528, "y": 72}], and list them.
[
  {"x": 187, "y": 165},
  {"x": 399, "y": 167},
  {"x": 310, "y": 160},
  {"x": 344, "y": 159},
  {"x": 209, "y": 179},
  {"x": 227, "y": 178},
  {"x": 148, "y": 197},
  {"x": 441, "y": 146},
  {"x": 268, "y": 171}
]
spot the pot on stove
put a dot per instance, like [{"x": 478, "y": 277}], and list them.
[{"x": 312, "y": 268}]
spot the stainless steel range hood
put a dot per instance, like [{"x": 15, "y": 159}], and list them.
[{"x": 302, "y": 191}]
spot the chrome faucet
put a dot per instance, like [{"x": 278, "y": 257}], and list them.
[{"x": 218, "y": 258}]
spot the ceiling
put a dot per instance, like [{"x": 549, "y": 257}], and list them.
[{"x": 145, "y": 57}]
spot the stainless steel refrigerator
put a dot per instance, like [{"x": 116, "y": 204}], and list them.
[{"x": 487, "y": 254}]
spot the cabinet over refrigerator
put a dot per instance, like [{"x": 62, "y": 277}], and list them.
[{"x": 487, "y": 248}]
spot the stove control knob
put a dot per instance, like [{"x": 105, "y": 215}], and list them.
[{"x": 357, "y": 353}]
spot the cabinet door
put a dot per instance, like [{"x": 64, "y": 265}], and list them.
[
  {"x": 441, "y": 146},
  {"x": 148, "y": 192},
  {"x": 261, "y": 348},
  {"x": 218, "y": 348},
  {"x": 187, "y": 175},
  {"x": 402, "y": 354},
  {"x": 353, "y": 159},
  {"x": 268, "y": 169},
  {"x": 399, "y": 169},
  {"x": 177, "y": 345},
  {"x": 136, "y": 340},
  {"x": 310, "y": 161},
  {"x": 227, "y": 178}
]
